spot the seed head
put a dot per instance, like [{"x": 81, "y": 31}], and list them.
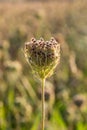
[{"x": 43, "y": 56}]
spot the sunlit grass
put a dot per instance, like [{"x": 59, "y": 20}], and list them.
[{"x": 20, "y": 92}]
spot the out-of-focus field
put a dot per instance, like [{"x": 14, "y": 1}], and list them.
[{"x": 66, "y": 90}]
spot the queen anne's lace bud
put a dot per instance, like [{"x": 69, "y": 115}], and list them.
[{"x": 43, "y": 56}]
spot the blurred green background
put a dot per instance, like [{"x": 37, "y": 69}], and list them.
[{"x": 20, "y": 89}]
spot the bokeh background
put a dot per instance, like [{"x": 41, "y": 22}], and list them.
[{"x": 20, "y": 89}]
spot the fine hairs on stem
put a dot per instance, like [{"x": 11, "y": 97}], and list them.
[
  {"x": 43, "y": 57},
  {"x": 43, "y": 104}
]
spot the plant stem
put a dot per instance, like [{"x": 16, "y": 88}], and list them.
[{"x": 43, "y": 104}]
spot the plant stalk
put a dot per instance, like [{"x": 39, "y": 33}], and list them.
[{"x": 43, "y": 104}]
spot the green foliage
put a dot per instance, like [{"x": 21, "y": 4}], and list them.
[{"x": 66, "y": 90}]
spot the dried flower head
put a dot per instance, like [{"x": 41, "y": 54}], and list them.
[
  {"x": 79, "y": 100},
  {"x": 43, "y": 56}
]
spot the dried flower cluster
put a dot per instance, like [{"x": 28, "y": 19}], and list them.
[{"x": 43, "y": 56}]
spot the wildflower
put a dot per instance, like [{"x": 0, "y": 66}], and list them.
[
  {"x": 43, "y": 56},
  {"x": 79, "y": 100}
]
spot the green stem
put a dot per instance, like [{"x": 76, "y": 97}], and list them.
[{"x": 43, "y": 104}]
